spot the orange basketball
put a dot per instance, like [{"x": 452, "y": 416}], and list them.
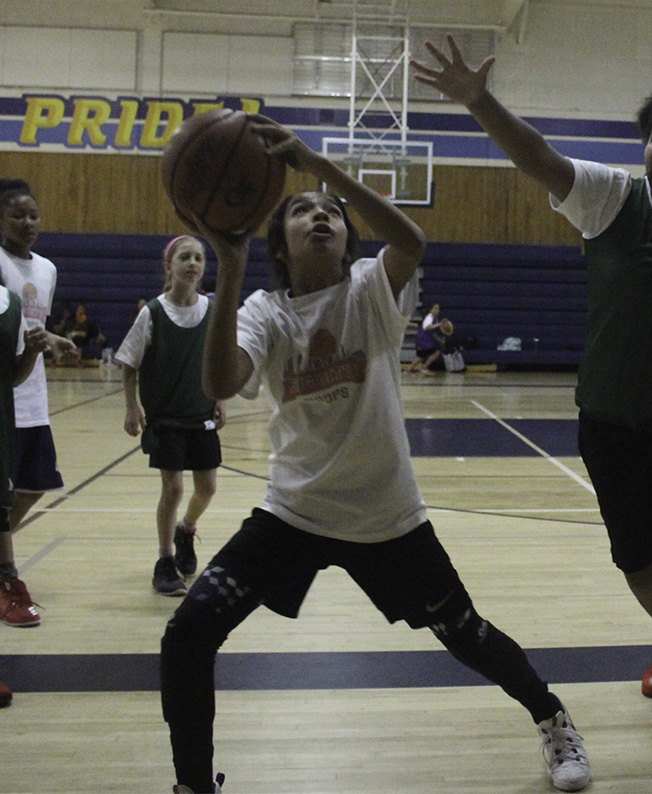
[
  {"x": 446, "y": 327},
  {"x": 216, "y": 167}
]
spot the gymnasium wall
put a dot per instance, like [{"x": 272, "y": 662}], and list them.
[
  {"x": 579, "y": 72},
  {"x": 99, "y": 193}
]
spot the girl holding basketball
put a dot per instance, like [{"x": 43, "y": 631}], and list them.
[
  {"x": 342, "y": 488},
  {"x": 162, "y": 353}
]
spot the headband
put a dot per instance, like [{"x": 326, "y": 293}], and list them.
[{"x": 172, "y": 242}]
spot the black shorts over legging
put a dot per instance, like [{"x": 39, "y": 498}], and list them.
[{"x": 405, "y": 578}]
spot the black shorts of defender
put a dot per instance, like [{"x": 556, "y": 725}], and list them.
[
  {"x": 410, "y": 578},
  {"x": 185, "y": 450},
  {"x": 619, "y": 463}
]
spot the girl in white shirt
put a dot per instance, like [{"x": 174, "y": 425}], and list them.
[{"x": 342, "y": 489}]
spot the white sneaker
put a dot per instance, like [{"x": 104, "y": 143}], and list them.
[
  {"x": 185, "y": 790},
  {"x": 566, "y": 760}
]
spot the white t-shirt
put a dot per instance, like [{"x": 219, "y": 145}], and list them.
[
  {"x": 139, "y": 336},
  {"x": 596, "y": 198},
  {"x": 428, "y": 320},
  {"x": 340, "y": 465},
  {"x": 4, "y": 305},
  {"x": 34, "y": 281}
]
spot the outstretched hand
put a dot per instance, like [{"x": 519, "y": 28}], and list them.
[
  {"x": 455, "y": 80},
  {"x": 63, "y": 350}
]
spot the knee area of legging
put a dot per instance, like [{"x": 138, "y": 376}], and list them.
[
  {"x": 193, "y": 624},
  {"x": 465, "y": 628}
]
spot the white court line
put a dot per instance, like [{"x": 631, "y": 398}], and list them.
[{"x": 537, "y": 449}]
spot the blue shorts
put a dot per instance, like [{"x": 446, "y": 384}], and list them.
[{"x": 35, "y": 460}]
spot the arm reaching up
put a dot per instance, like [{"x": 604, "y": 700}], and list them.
[
  {"x": 405, "y": 240},
  {"x": 522, "y": 143}
]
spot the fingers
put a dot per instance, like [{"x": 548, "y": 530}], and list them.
[
  {"x": 37, "y": 339},
  {"x": 131, "y": 429},
  {"x": 274, "y": 133},
  {"x": 455, "y": 50},
  {"x": 438, "y": 54},
  {"x": 260, "y": 119},
  {"x": 424, "y": 71},
  {"x": 486, "y": 65}
]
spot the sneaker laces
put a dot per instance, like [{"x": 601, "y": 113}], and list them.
[
  {"x": 169, "y": 568},
  {"x": 184, "y": 538},
  {"x": 19, "y": 592},
  {"x": 561, "y": 742}
]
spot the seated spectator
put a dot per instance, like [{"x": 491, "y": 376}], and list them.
[
  {"x": 60, "y": 325},
  {"x": 85, "y": 333},
  {"x": 429, "y": 342}
]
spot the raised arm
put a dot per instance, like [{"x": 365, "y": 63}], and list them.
[
  {"x": 226, "y": 367},
  {"x": 522, "y": 143},
  {"x": 405, "y": 240}
]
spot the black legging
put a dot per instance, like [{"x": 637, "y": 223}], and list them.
[{"x": 197, "y": 630}]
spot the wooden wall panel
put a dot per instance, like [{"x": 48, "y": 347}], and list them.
[{"x": 123, "y": 194}]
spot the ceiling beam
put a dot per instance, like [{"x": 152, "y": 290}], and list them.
[{"x": 514, "y": 17}]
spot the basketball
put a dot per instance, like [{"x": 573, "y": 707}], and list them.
[
  {"x": 446, "y": 327},
  {"x": 216, "y": 167}
]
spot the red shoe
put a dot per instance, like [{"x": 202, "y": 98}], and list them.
[
  {"x": 646, "y": 685},
  {"x": 16, "y": 605},
  {"x": 5, "y": 695}
]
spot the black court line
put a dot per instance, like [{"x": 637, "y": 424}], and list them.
[
  {"x": 36, "y": 514},
  {"x": 86, "y": 401},
  {"x": 296, "y": 671}
]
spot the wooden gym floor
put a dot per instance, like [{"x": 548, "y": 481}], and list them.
[{"x": 337, "y": 702}]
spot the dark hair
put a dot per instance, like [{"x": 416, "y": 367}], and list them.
[
  {"x": 644, "y": 119},
  {"x": 277, "y": 244},
  {"x": 10, "y": 188}
]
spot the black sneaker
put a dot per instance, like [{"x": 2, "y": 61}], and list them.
[
  {"x": 166, "y": 579},
  {"x": 185, "y": 556}
]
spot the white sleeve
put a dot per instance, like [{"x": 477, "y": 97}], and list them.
[
  {"x": 596, "y": 198},
  {"x": 52, "y": 289},
  {"x": 370, "y": 279},
  {"x": 20, "y": 347},
  {"x": 252, "y": 338},
  {"x": 139, "y": 337}
]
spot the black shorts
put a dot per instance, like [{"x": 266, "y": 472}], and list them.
[
  {"x": 185, "y": 450},
  {"x": 425, "y": 352},
  {"x": 35, "y": 460},
  {"x": 619, "y": 463},
  {"x": 407, "y": 578}
]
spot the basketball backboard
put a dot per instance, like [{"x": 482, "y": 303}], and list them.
[{"x": 399, "y": 170}]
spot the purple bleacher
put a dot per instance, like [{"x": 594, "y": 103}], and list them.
[
  {"x": 489, "y": 291},
  {"x": 110, "y": 272},
  {"x": 492, "y": 292}
]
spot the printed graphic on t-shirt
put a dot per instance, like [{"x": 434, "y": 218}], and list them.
[
  {"x": 328, "y": 366},
  {"x": 32, "y": 309}
]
